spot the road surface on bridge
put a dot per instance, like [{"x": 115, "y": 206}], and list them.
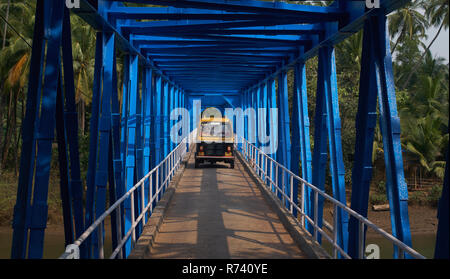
[{"x": 218, "y": 212}]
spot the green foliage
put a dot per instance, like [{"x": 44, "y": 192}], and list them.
[
  {"x": 377, "y": 199},
  {"x": 417, "y": 198},
  {"x": 434, "y": 195}
]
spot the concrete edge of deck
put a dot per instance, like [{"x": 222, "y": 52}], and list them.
[
  {"x": 303, "y": 240},
  {"x": 151, "y": 229}
]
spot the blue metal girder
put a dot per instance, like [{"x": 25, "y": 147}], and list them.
[
  {"x": 273, "y": 116},
  {"x": 284, "y": 146},
  {"x": 38, "y": 129},
  {"x": 158, "y": 88},
  {"x": 104, "y": 131},
  {"x": 116, "y": 173},
  {"x": 170, "y": 13},
  {"x": 390, "y": 128},
  {"x": 442, "y": 249},
  {"x": 147, "y": 88},
  {"x": 377, "y": 77},
  {"x": 300, "y": 128},
  {"x": 335, "y": 145},
  {"x": 253, "y": 6},
  {"x": 319, "y": 159},
  {"x": 365, "y": 124},
  {"x": 130, "y": 148},
  {"x": 71, "y": 120},
  {"x": 263, "y": 123}
]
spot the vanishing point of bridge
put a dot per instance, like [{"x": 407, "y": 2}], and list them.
[{"x": 180, "y": 57}]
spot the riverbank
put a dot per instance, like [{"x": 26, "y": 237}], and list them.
[{"x": 423, "y": 222}]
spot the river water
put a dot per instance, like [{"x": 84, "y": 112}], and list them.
[{"x": 54, "y": 244}]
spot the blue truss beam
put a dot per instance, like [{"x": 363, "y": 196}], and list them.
[{"x": 253, "y": 6}]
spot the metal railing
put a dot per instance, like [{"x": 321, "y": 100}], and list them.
[
  {"x": 270, "y": 176},
  {"x": 169, "y": 166}
]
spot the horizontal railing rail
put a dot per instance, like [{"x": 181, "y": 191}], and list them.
[
  {"x": 169, "y": 165},
  {"x": 270, "y": 176}
]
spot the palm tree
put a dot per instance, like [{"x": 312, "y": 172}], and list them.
[
  {"x": 14, "y": 64},
  {"x": 437, "y": 14},
  {"x": 83, "y": 49},
  {"x": 407, "y": 22},
  {"x": 424, "y": 118},
  {"x": 6, "y": 25}
]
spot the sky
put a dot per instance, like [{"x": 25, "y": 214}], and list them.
[{"x": 440, "y": 46}]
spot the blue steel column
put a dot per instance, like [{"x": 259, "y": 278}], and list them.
[
  {"x": 104, "y": 130},
  {"x": 71, "y": 122},
  {"x": 442, "y": 249},
  {"x": 263, "y": 123},
  {"x": 116, "y": 171},
  {"x": 130, "y": 161},
  {"x": 158, "y": 118},
  {"x": 157, "y": 128},
  {"x": 93, "y": 140},
  {"x": 166, "y": 124},
  {"x": 390, "y": 129},
  {"x": 300, "y": 126},
  {"x": 258, "y": 115},
  {"x": 272, "y": 104},
  {"x": 29, "y": 127},
  {"x": 139, "y": 150},
  {"x": 365, "y": 124},
  {"x": 319, "y": 160},
  {"x": 170, "y": 122},
  {"x": 284, "y": 147},
  {"x": 244, "y": 108},
  {"x": 335, "y": 145},
  {"x": 147, "y": 119},
  {"x": 49, "y": 16}
]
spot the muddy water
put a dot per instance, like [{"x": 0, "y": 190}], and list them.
[
  {"x": 423, "y": 243},
  {"x": 53, "y": 243}
]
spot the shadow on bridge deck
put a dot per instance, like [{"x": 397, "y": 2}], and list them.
[{"x": 217, "y": 212}]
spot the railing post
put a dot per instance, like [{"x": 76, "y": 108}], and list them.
[
  {"x": 302, "y": 204},
  {"x": 143, "y": 205},
  {"x": 316, "y": 218},
  {"x": 292, "y": 195},
  {"x": 361, "y": 240},
  {"x": 335, "y": 231},
  {"x": 133, "y": 222},
  {"x": 100, "y": 242}
]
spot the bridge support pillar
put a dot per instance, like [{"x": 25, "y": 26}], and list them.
[
  {"x": 49, "y": 106},
  {"x": 284, "y": 146},
  {"x": 300, "y": 130},
  {"x": 327, "y": 125},
  {"x": 377, "y": 78}
]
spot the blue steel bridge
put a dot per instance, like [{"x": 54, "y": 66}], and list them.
[{"x": 224, "y": 54}]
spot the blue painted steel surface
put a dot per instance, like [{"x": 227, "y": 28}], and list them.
[
  {"x": 284, "y": 141},
  {"x": 300, "y": 127},
  {"x": 335, "y": 146},
  {"x": 222, "y": 53},
  {"x": 442, "y": 249},
  {"x": 319, "y": 160},
  {"x": 390, "y": 128},
  {"x": 365, "y": 124}
]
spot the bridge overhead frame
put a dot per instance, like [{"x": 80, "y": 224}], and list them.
[{"x": 181, "y": 49}]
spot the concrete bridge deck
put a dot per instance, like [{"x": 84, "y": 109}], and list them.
[{"x": 218, "y": 212}]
